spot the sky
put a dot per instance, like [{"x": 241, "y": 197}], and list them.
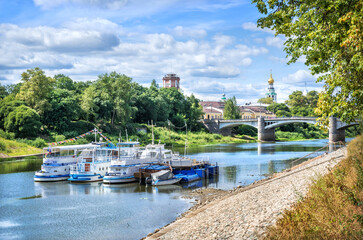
[{"x": 212, "y": 45}]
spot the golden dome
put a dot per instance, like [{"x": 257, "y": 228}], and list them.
[{"x": 271, "y": 80}]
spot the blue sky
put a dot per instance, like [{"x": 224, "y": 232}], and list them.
[{"x": 211, "y": 44}]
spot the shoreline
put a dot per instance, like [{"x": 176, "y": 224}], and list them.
[{"x": 212, "y": 215}]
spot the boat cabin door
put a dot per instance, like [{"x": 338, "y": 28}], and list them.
[{"x": 87, "y": 167}]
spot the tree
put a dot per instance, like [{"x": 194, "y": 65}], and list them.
[
  {"x": 301, "y": 105},
  {"x": 266, "y": 100},
  {"x": 280, "y": 109},
  {"x": 23, "y": 121},
  {"x": 194, "y": 112},
  {"x": 64, "y": 82},
  {"x": 231, "y": 109},
  {"x": 35, "y": 89},
  {"x": 109, "y": 98},
  {"x": 329, "y": 34},
  {"x": 64, "y": 109},
  {"x": 7, "y": 105},
  {"x": 3, "y": 92}
]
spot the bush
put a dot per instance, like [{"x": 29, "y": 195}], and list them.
[
  {"x": 7, "y": 135},
  {"x": 2, "y": 147},
  {"x": 39, "y": 143}
]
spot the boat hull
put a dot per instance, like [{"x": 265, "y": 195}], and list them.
[
  {"x": 165, "y": 182},
  {"x": 110, "y": 180},
  {"x": 85, "y": 178},
  {"x": 50, "y": 178}
]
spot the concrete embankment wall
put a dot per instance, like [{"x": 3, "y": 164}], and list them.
[{"x": 248, "y": 212}]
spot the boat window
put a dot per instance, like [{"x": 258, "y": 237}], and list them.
[
  {"x": 55, "y": 171},
  {"x": 99, "y": 169},
  {"x": 103, "y": 168}
]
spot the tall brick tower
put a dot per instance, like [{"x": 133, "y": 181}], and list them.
[{"x": 171, "y": 80}]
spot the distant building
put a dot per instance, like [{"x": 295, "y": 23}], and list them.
[
  {"x": 250, "y": 111},
  {"x": 271, "y": 90},
  {"x": 212, "y": 109},
  {"x": 171, "y": 80}
]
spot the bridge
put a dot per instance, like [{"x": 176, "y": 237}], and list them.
[{"x": 266, "y": 126}]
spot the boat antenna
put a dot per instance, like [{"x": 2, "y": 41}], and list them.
[
  {"x": 119, "y": 140},
  {"x": 95, "y": 130},
  {"x": 127, "y": 136}
]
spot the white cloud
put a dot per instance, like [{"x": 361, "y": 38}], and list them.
[
  {"x": 58, "y": 39},
  {"x": 275, "y": 42},
  {"x": 253, "y": 27},
  {"x": 299, "y": 78},
  {"x": 180, "y": 31},
  {"x": 110, "y": 4}
]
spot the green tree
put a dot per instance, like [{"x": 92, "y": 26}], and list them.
[
  {"x": 35, "y": 89},
  {"x": 329, "y": 34},
  {"x": 64, "y": 109},
  {"x": 194, "y": 112},
  {"x": 109, "y": 98},
  {"x": 3, "y": 92},
  {"x": 301, "y": 105},
  {"x": 266, "y": 100},
  {"x": 23, "y": 121},
  {"x": 64, "y": 82},
  {"x": 280, "y": 109},
  {"x": 7, "y": 105},
  {"x": 231, "y": 109}
]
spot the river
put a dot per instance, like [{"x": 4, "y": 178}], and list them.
[{"x": 96, "y": 211}]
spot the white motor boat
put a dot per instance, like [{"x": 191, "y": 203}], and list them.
[
  {"x": 57, "y": 162},
  {"x": 163, "y": 177},
  {"x": 93, "y": 163},
  {"x": 131, "y": 158}
]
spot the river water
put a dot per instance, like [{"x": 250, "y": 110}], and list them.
[{"x": 95, "y": 211}]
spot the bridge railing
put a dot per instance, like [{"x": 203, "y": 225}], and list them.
[{"x": 268, "y": 118}]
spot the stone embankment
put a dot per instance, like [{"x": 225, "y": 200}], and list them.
[{"x": 246, "y": 213}]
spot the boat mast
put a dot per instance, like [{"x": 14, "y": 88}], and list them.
[
  {"x": 95, "y": 130},
  {"x": 152, "y": 131}
]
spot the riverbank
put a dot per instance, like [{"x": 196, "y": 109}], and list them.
[{"x": 247, "y": 212}]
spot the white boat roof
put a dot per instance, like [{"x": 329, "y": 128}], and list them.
[
  {"x": 128, "y": 143},
  {"x": 73, "y": 147}
]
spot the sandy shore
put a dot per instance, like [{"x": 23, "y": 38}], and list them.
[{"x": 246, "y": 212}]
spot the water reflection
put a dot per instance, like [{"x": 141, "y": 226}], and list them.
[{"x": 20, "y": 166}]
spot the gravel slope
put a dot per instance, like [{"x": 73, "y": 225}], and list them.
[{"x": 245, "y": 213}]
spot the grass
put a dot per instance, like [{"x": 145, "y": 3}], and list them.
[
  {"x": 14, "y": 148},
  {"x": 333, "y": 207}
]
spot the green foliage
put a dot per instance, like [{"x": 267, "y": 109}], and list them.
[
  {"x": 3, "y": 92},
  {"x": 35, "y": 89},
  {"x": 231, "y": 109},
  {"x": 23, "y": 121},
  {"x": 7, "y": 105},
  {"x": 301, "y": 105},
  {"x": 280, "y": 109},
  {"x": 64, "y": 82},
  {"x": 64, "y": 109},
  {"x": 2, "y": 147},
  {"x": 328, "y": 34},
  {"x": 266, "y": 100},
  {"x": 246, "y": 130},
  {"x": 7, "y": 135}
]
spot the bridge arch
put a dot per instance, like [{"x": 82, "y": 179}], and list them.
[
  {"x": 231, "y": 125},
  {"x": 347, "y": 126},
  {"x": 282, "y": 123}
]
